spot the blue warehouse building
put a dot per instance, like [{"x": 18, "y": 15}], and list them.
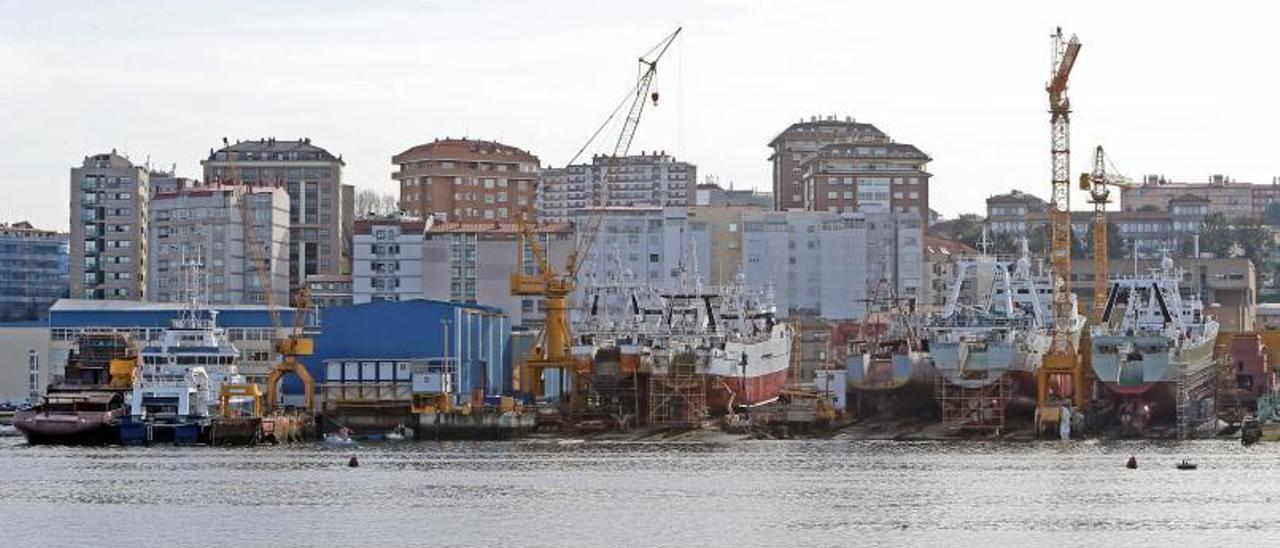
[{"x": 476, "y": 340}]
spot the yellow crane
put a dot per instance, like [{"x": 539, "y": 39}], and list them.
[
  {"x": 1099, "y": 184},
  {"x": 1061, "y": 363},
  {"x": 295, "y": 344},
  {"x": 552, "y": 350}
]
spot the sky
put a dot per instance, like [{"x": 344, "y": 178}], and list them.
[{"x": 1183, "y": 91}]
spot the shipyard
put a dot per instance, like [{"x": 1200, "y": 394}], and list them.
[{"x": 704, "y": 274}]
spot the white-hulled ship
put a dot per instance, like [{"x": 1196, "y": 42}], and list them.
[
  {"x": 997, "y": 320},
  {"x": 1150, "y": 334},
  {"x": 179, "y": 378}
]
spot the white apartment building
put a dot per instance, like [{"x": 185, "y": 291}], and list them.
[
  {"x": 647, "y": 180},
  {"x": 207, "y": 223},
  {"x": 387, "y": 259}
]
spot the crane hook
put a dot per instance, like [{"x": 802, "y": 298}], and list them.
[{"x": 654, "y": 96}]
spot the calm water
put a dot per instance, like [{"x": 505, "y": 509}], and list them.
[{"x": 547, "y": 493}]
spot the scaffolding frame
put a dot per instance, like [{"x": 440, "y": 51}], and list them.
[
  {"x": 981, "y": 409},
  {"x": 1193, "y": 391},
  {"x": 678, "y": 393}
]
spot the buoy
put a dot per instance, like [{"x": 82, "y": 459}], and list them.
[
  {"x": 1133, "y": 462},
  {"x": 354, "y": 462}
]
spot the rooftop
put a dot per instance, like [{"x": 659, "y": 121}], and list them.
[
  {"x": 494, "y": 227},
  {"x": 464, "y": 149},
  {"x": 267, "y": 149},
  {"x": 832, "y": 123}
]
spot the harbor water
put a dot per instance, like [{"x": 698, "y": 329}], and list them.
[{"x": 835, "y": 492}]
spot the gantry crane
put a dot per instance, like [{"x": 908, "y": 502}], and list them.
[
  {"x": 1062, "y": 362},
  {"x": 295, "y": 344},
  {"x": 552, "y": 350},
  {"x": 1099, "y": 184}
]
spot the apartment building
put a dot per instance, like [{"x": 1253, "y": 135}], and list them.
[
  {"x": 33, "y": 271},
  {"x": 466, "y": 180},
  {"x": 320, "y": 205},
  {"x": 805, "y": 138},
  {"x": 1233, "y": 199},
  {"x": 215, "y": 225},
  {"x": 108, "y": 243},
  {"x": 472, "y": 262},
  {"x": 872, "y": 178},
  {"x": 654, "y": 179},
  {"x": 714, "y": 195},
  {"x": 388, "y": 259}
]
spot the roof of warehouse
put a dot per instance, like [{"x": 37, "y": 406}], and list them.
[{"x": 87, "y": 305}]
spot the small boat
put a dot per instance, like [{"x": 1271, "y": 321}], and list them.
[
  {"x": 338, "y": 439},
  {"x": 342, "y": 437},
  {"x": 1186, "y": 465},
  {"x": 393, "y": 436}
]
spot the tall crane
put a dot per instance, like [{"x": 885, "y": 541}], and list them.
[
  {"x": 1062, "y": 362},
  {"x": 1099, "y": 184},
  {"x": 295, "y": 344},
  {"x": 552, "y": 350}
]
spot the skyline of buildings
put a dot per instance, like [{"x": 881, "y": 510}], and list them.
[{"x": 822, "y": 165}]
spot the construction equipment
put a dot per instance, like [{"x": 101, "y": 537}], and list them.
[
  {"x": 551, "y": 351},
  {"x": 1099, "y": 184},
  {"x": 295, "y": 344},
  {"x": 1062, "y": 369}
]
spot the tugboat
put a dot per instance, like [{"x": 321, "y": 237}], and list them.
[
  {"x": 85, "y": 408},
  {"x": 177, "y": 389}
]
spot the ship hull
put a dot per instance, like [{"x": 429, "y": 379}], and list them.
[
  {"x": 737, "y": 391},
  {"x": 81, "y": 428},
  {"x": 1136, "y": 373},
  {"x": 864, "y": 373}
]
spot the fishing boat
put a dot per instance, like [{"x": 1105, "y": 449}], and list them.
[
  {"x": 1149, "y": 337},
  {"x": 996, "y": 321}
]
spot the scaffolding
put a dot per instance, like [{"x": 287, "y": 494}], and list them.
[
  {"x": 980, "y": 409},
  {"x": 1196, "y": 394},
  {"x": 678, "y": 393}
]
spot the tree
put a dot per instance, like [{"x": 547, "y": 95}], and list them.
[
  {"x": 1272, "y": 216},
  {"x": 372, "y": 202}
]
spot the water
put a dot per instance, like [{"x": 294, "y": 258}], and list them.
[{"x": 549, "y": 493}]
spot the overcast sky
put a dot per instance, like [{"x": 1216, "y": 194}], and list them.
[{"x": 1173, "y": 90}]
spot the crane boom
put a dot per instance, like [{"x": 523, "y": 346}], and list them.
[
  {"x": 1098, "y": 184},
  {"x": 552, "y": 350}
]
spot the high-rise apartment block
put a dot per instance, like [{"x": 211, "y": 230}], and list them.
[
  {"x": 466, "y": 180},
  {"x": 33, "y": 271},
  {"x": 829, "y": 164},
  {"x": 387, "y": 259},
  {"x": 207, "y": 223},
  {"x": 646, "y": 180},
  {"x": 803, "y": 139},
  {"x": 109, "y": 200},
  {"x": 320, "y": 206}
]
